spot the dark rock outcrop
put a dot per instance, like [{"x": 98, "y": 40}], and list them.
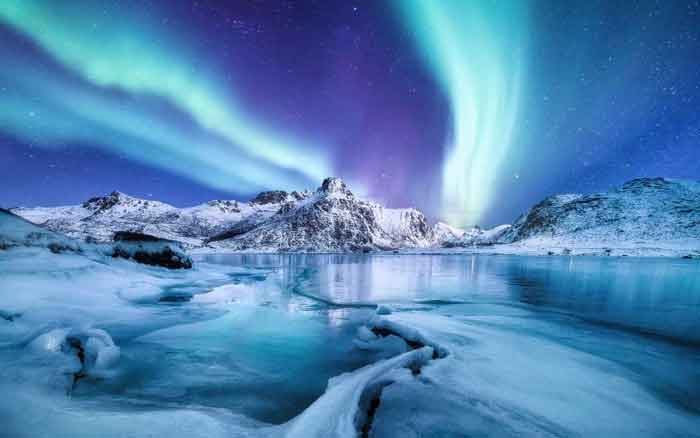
[
  {"x": 132, "y": 236},
  {"x": 238, "y": 229},
  {"x": 334, "y": 185},
  {"x": 150, "y": 250},
  {"x": 102, "y": 203},
  {"x": 270, "y": 197}
]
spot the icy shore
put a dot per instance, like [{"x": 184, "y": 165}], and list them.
[
  {"x": 66, "y": 318},
  {"x": 687, "y": 248},
  {"x": 102, "y": 346},
  {"x": 545, "y": 246}
]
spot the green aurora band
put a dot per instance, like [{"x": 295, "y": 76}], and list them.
[
  {"x": 123, "y": 51},
  {"x": 475, "y": 50}
]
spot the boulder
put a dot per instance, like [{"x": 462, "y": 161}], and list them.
[{"x": 150, "y": 250}]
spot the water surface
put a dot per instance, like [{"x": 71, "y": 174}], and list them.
[
  {"x": 538, "y": 346},
  {"x": 541, "y": 345},
  {"x": 654, "y": 295}
]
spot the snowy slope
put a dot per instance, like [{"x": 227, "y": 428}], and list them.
[
  {"x": 18, "y": 232},
  {"x": 478, "y": 237},
  {"x": 356, "y": 224},
  {"x": 330, "y": 219},
  {"x": 406, "y": 226},
  {"x": 646, "y": 216},
  {"x": 643, "y": 213},
  {"x": 99, "y": 218},
  {"x": 443, "y": 233},
  {"x": 642, "y": 210}
]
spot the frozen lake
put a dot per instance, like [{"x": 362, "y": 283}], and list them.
[
  {"x": 614, "y": 338},
  {"x": 652, "y": 295},
  {"x": 535, "y": 346}
]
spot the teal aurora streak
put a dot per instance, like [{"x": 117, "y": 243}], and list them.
[
  {"x": 475, "y": 50},
  {"x": 222, "y": 146}
]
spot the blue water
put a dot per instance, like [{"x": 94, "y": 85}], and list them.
[
  {"x": 653, "y": 295},
  {"x": 539, "y": 346},
  {"x": 635, "y": 321}
]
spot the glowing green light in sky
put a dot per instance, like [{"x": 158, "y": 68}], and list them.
[
  {"x": 475, "y": 50},
  {"x": 122, "y": 50}
]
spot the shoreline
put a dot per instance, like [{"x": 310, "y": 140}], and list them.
[{"x": 669, "y": 250}]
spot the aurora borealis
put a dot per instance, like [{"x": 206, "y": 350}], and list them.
[
  {"x": 122, "y": 58},
  {"x": 471, "y": 111},
  {"x": 476, "y": 51}
]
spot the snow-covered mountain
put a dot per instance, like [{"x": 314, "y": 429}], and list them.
[
  {"x": 647, "y": 212},
  {"x": 17, "y": 232},
  {"x": 650, "y": 212},
  {"x": 404, "y": 226},
  {"x": 328, "y": 219},
  {"x": 99, "y": 218},
  {"x": 646, "y": 216},
  {"x": 478, "y": 237},
  {"x": 443, "y": 233}
]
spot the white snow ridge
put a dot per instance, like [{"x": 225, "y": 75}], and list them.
[{"x": 648, "y": 216}]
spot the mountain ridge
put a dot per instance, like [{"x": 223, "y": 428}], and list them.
[
  {"x": 209, "y": 223},
  {"x": 644, "y": 212}
]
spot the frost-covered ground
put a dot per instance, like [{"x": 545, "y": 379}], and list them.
[
  {"x": 538, "y": 246},
  {"x": 295, "y": 345}
]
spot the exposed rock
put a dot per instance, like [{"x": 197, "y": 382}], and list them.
[
  {"x": 102, "y": 203},
  {"x": 131, "y": 236},
  {"x": 238, "y": 229},
  {"x": 225, "y": 206},
  {"x": 150, "y": 250},
  {"x": 334, "y": 185},
  {"x": 270, "y": 197},
  {"x": 379, "y": 330},
  {"x": 298, "y": 196}
]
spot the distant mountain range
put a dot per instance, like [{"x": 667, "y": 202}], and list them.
[
  {"x": 645, "y": 211},
  {"x": 331, "y": 218}
]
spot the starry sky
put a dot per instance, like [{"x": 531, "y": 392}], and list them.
[{"x": 469, "y": 110}]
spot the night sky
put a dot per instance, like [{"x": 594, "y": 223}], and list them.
[{"x": 469, "y": 110}]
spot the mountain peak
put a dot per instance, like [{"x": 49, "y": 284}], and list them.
[
  {"x": 334, "y": 185},
  {"x": 104, "y": 202},
  {"x": 646, "y": 183},
  {"x": 270, "y": 197}
]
